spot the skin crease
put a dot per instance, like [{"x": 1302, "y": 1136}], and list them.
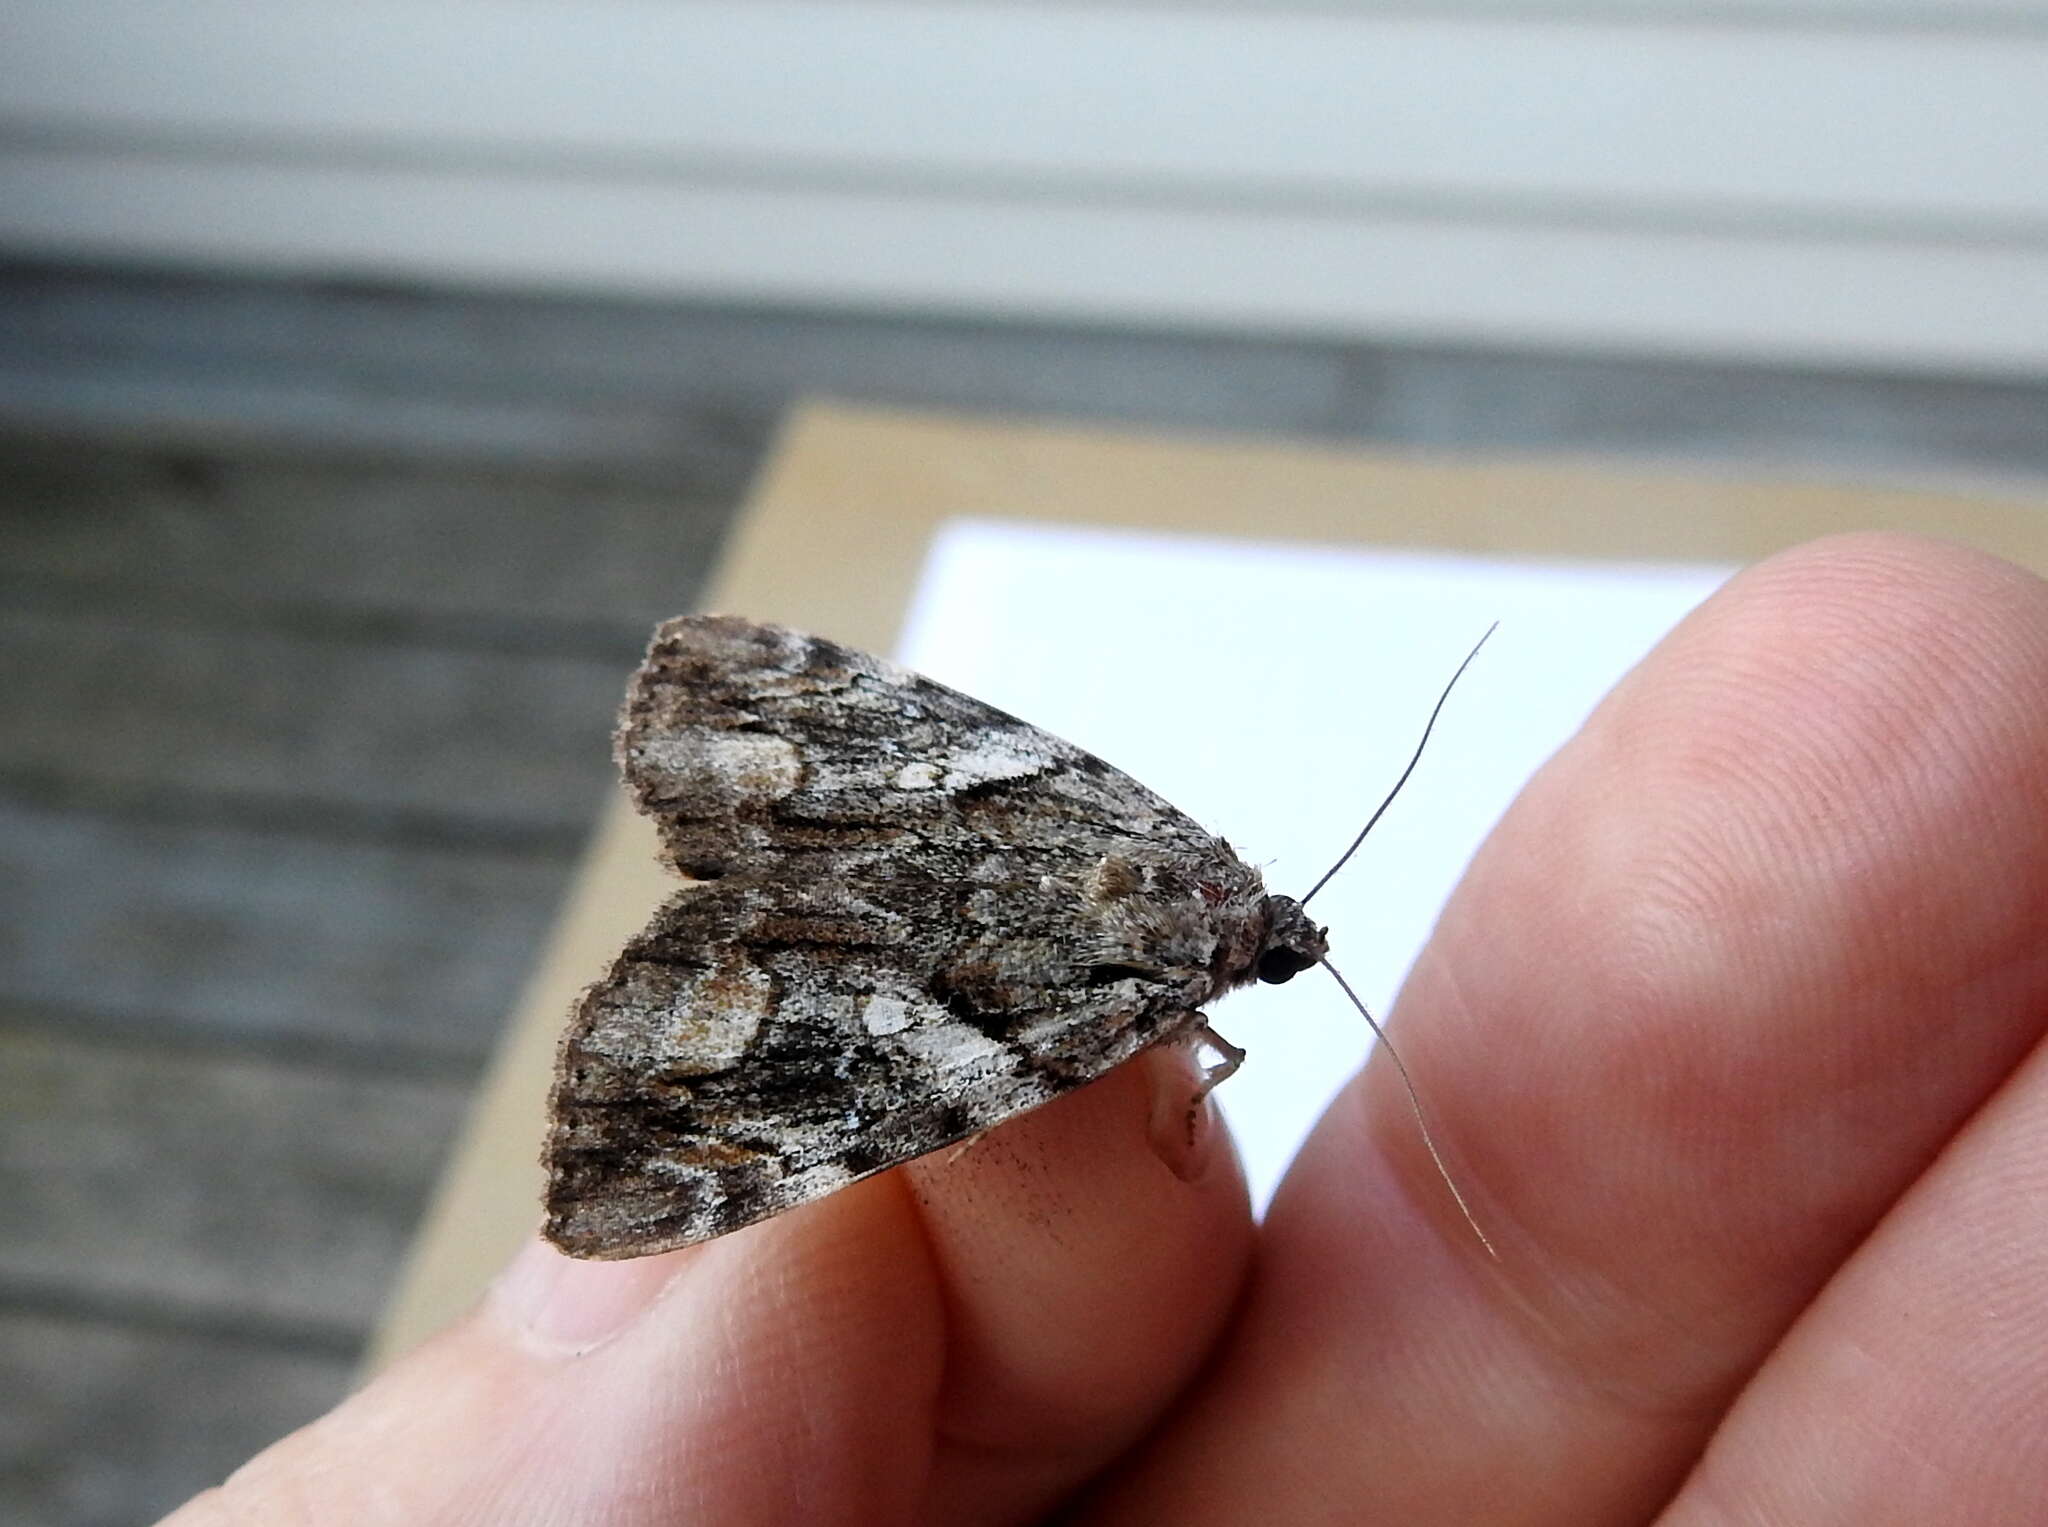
[{"x": 1732, "y": 1035}]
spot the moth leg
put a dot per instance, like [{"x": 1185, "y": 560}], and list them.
[{"x": 1212, "y": 1076}]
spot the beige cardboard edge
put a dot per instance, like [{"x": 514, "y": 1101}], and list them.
[{"x": 831, "y": 541}]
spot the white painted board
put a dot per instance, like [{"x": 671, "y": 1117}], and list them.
[{"x": 1836, "y": 182}]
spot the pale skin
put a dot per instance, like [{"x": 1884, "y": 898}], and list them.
[{"x": 1733, "y": 1037}]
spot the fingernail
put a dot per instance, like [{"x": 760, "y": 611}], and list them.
[
  {"x": 1182, "y": 1131},
  {"x": 562, "y": 1301}
]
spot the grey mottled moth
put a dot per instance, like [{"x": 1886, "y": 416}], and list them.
[{"x": 909, "y": 917}]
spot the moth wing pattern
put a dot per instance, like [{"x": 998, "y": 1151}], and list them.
[{"x": 910, "y": 917}]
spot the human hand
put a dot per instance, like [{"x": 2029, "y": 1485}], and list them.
[{"x": 1731, "y": 1035}]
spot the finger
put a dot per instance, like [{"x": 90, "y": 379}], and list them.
[
  {"x": 1724, "y": 981},
  {"x": 959, "y": 1343},
  {"x": 1914, "y": 1389}
]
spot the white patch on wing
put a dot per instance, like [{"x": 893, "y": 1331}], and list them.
[
  {"x": 728, "y": 767},
  {"x": 991, "y": 759},
  {"x": 716, "y": 1023},
  {"x": 661, "y": 1019},
  {"x": 952, "y": 1046},
  {"x": 917, "y": 776},
  {"x": 885, "y": 1015}
]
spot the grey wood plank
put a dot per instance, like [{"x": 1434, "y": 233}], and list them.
[
  {"x": 717, "y": 375},
  {"x": 648, "y": 383},
  {"x": 213, "y": 1190},
  {"x": 282, "y": 536},
  {"x": 139, "y": 702},
  {"x": 1764, "y": 419},
  {"x": 104, "y": 1424},
  {"x": 389, "y": 954},
  {"x": 229, "y": 405}
]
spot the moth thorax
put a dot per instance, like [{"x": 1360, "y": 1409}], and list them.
[{"x": 1292, "y": 943}]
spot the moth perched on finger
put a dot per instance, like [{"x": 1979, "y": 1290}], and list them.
[{"x": 909, "y": 916}]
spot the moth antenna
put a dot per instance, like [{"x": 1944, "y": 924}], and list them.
[
  {"x": 1414, "y": 1099},
  {"x": 1429, "y": 726}
]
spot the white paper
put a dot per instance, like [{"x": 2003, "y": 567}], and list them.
[{"x": 1274, "y": 693}]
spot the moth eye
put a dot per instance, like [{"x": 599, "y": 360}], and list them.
[{"x": 1282, "y": 964}]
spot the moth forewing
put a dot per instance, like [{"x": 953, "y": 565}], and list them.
[{"x": 916, "y": 917}]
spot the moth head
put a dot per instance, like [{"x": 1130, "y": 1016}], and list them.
[{"x": 1292, "y": 944}]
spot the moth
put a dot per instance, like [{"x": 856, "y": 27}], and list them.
[{"x": 908, "y": 916}]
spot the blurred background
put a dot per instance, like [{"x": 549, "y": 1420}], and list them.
[{"x": 373, "y": 376}]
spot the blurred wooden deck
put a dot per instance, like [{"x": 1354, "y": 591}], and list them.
[{"x": 315, "y": 604}]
